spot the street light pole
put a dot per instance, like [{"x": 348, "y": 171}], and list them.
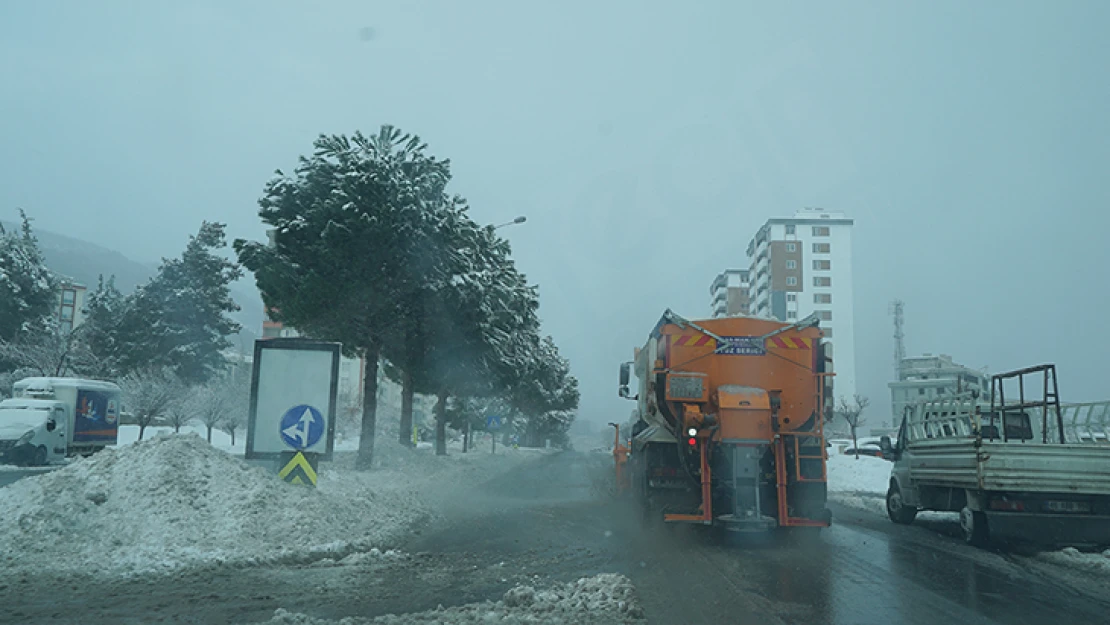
[{"x": 518, "y": 220}]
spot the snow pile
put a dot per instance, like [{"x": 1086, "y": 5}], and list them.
[
  {"x": 1073, "y": 558},
  {"x": 175, "y": 501},
  {"x": 858, "y": 482},
  {"x": 129, "y": 434},
  {"x": 600, "y": 599}
]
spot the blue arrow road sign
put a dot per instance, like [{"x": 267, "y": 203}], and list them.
[
  {"x": 493, "y": 422},
  {"x": 301, "y": 426}
]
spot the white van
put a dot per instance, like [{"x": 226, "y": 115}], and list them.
[{"x": 52, "y": 418}]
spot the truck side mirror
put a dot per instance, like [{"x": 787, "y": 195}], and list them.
[
  {"x": 626, "y": 373},
  {"x": 886, "y": 447}
]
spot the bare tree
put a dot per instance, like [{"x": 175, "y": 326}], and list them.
[
  {"x": 349, "y": 407},
  {"x": 51, "y": 351},
  {"x": 182, "y": 409},
  {"x": 852, "y": 412},
  {"x": 236, "y": 393},
  {"x": 210, "y": 407},
  {"x": 148, "y": 394}
]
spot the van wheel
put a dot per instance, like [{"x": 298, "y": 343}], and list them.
[
  {"x": 897, "y": 509},
  {"x": 974, "y": 525},
  {"x": 40, "y": 457}
]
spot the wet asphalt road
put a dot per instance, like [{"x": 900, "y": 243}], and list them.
[
  {"x": 550, "y": 521},
  {"x": 10, "y": 476}
]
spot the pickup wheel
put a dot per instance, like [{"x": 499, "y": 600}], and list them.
[
  {"x": 974, "y": 525},
  {"x": 896, "y": 508},
  {"x": 40, "y": 457}
]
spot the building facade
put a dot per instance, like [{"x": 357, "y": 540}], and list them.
[
  {"x": 70, "y": 306},
  {"x": 929, "y": 377},
  {"x": 802, "y": 265},
  {"x": 729, "y": 293}
]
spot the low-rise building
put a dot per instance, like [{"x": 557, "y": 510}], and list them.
[{"x": 931, "y": 376}]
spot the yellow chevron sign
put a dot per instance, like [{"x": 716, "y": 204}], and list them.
[{"x": 299, "y": 468}]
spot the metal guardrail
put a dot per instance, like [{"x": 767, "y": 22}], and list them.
[
  {"x": 1084, "y": 423},
  {"x": 1087, "y": 423}
]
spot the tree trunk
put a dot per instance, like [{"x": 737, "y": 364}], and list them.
[
  {"x": 441, "y": 423},
  {"x": 407, "y": 392},
  {"x": 466, "y": 437},
  {"x": 855, "y": 441},
  {"x": 142, "y": 428},
  {"x": 232, "y": 432},
  {"x": 369, "y": 408},
  {"x": 209, "y": 434},
  {"x": 176, "y": 427}
]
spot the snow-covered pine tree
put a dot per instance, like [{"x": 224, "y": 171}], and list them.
[
  {"x": 105, "y": 309},
  {"x": 179, "y": 319},
  {"x": 27, "y": 287},
  {"x": 350, "y": 237}
]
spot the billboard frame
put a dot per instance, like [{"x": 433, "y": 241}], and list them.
[{"x": 296, "y": 344}]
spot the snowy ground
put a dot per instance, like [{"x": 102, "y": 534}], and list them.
[
  {"x": 600, "y": 599},
  {"x": 175, "y": 501},
  {"x": 859, "y": 483}
]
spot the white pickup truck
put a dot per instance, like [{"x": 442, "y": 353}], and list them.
[
  {"x": 52, "y": 418},
  {"x": 1032, "y": 470}
]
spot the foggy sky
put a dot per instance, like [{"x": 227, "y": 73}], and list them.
[{"x": 645, "y": 142}]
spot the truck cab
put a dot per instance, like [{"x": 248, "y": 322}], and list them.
[{"x": 33, "y": 432}]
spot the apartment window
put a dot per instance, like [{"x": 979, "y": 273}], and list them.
[
  {"x": 822, "y": 298},
  {"x": 791, "y": 315},
  {"x": 824, "y": 315},
  {"x": 790, "y": 230},
  {"x": 821, "y": 248},
  {"x": 791, "y": 281},
  {"x": 827, "y": 332},
  {"x": 791, "y": 264},
  {"x": 822, "y": 265},
  {"x": 820, "y": 231},
  {"x": 791, "y": 297},
  {"x": 791, "y": 247},
  {"x": 68, "y": 296},
  {"x": 822, "y": 281},
  {"x": 67, "y": 313}
]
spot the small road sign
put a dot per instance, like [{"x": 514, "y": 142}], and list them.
[
  {"x": 493, "y": 422},
  {"x": 301, "y": 426},
  {"x": 298, "y": 467}
]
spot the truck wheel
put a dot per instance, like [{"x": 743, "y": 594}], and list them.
[
  {"x": 896, "y": 509},
  {"x": 974, "y": 525},
  {"x": 40, "y": 457}
]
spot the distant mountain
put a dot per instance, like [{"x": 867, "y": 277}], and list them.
[{"x": 84, "y": 262}]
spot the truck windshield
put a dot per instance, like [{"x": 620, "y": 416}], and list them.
[{"x": 22, "y": 419}]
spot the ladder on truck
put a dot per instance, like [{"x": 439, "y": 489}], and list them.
[
  {"x": 1049, "y": 402},
  {"x": 792, "y": 441},
  {"x": 782, "y": 477}
]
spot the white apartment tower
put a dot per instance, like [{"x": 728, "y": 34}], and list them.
[
  {"x": 802, "y": 265},
  {"x": 728, "y": 295}
]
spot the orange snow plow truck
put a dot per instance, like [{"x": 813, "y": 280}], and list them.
[{"x": 729, "y": 430}]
